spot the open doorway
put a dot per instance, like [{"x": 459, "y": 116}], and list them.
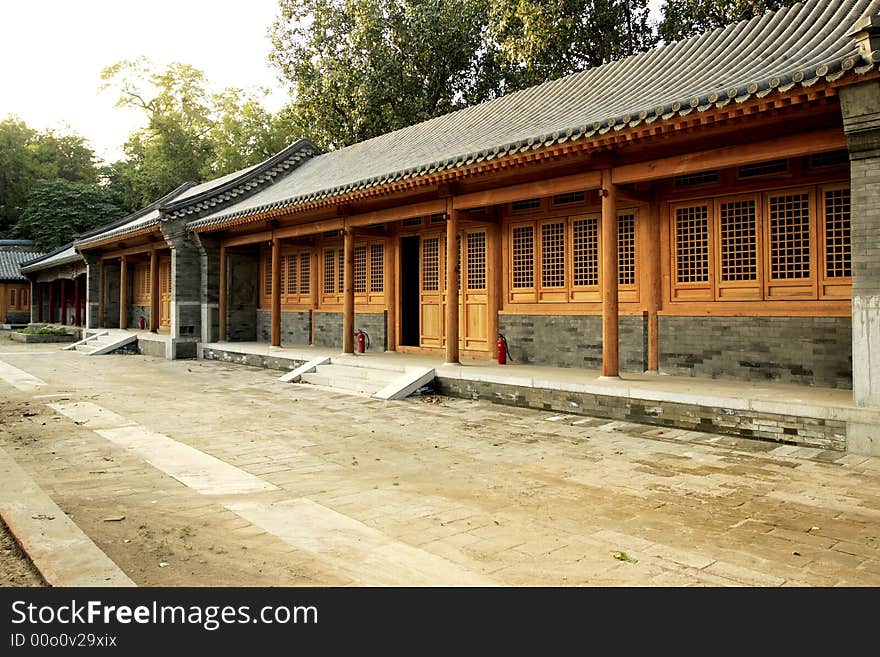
[{"x": 409, "y": 291}]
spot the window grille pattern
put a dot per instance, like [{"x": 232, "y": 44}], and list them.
[
  {"x": 267, "y": 282},
  {"x": 330, "y": 271},
  {"x": 290, "y": 271},
  {"x": 790, "y": 236},
  {"x": 739, "y": 240},
  {"x": 377, "y": 268},
  {"x": 553, "y": 255},
  {"x": 23, "y": 299},
  {"x": 430, "y": 264},
  {"x": 413, "y": 221},
  {"x": 830, "y": 159},
  {"x": 570, "y": 197},
  {"x": 305, "y": 273},
  {"x": 340, "y": 272},
  {"x": 476, "y": 261},
  {"x": 838, "y": 248},
  {"x": 626, "y": 249},
  {"x": 692, "y": 179},
  {"x": 585, "y": 247},
  {"x": 763, "y": 169},
  {"x": 360, "y": 269},
  {"x": 12, "y": 293},
  {"x": 438, "y": 218},
  {"x": 692, "y": 244},
  {"x": 523, "y": 256},
  {"x": 527, "y": 204}
]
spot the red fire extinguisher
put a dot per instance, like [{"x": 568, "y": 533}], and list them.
[
  {"x": 363, "y": 340},
  {"x": 142, "y": 323},
  {"x": 503, "y": 351}
]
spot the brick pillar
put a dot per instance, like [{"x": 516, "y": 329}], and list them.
[
  {"x": 186, "y": 289},
  {"x": 209, "y": 294},
  {"x": 860, "y": 106},
  {"x": 93, "y": 264}
]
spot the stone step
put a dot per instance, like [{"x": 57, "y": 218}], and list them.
[
  {"x": 342, "y": 383},
  {"x": 350, "y": 372}
]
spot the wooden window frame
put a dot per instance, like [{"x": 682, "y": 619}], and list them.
[
  {"x": 692, "y": 290},
  {"x": 744, "y": 290},
  {"x": 527, "y": 294},
  {"x": 588, "y": 293},
  {"x": 831, "y": 287},
  {"x": 140, "y": 284},
  {"x": 791, "y": 289}
]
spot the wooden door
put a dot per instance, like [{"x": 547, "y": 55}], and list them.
[
  {"x": 474, "y": 295},
  {"x": 431, "y": 293},
  {"x": 165, "y": 293}
]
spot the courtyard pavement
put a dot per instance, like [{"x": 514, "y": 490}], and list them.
[{"x": 202, "y": 473}]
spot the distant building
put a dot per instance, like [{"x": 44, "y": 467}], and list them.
[{"x": 15, "y": 295}]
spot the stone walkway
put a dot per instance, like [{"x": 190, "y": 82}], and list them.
[{"x": 191, "y": 473}]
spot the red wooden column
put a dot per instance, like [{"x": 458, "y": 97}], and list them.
[
  {"x": 51, "y": 309},
  {"x": 101, "y": 294},
  {"x": 77, "y": 318},
  {"x": 222, "y": 310},
  {"x": 610, "y": 303},
  {"x": 123, "y": 292},
  {"x": 452, "y": 355},
  {"x": 63, "y": 284},
  {"x": 348, "y": 291},
  {"x": 154, "y": 291},
  {"x": 276, "y": 292}
]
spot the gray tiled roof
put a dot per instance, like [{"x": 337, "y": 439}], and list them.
[
  {"x": 11, "y": 259},
  {"x": 770, "y": 54},
  {"x": 62, "y": 256}
]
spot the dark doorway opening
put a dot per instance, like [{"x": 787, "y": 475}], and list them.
[{"x": 409, "y": 291}]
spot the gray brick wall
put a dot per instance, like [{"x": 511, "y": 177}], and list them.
[
  {"x": 572, "y": 340},
  {"x": 134, "y": 315},
  {"x": 328, "y": 329},
  {"x": 296, "y": 327},
  {"x": 241, "y": 301},
  {"x": 806, "y": 350}
]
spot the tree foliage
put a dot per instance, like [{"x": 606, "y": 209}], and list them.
[
  {"x": 686, "y": 18},
  {"x": 190, "y": 134},
  {"x": 57, "y": 209}
]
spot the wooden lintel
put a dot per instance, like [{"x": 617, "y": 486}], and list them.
[
  {"x": 634, "y": 195},
  {"x": 249, "y": 238},
  {"x": 310, "y": 228},
  {"x": 399, "y": 213},
  {"x": 821, "y": 141},
  {"x": 549, "y": 187},
  {"x": 371, "y": 232},
  {"x": 132, "y": 250}
]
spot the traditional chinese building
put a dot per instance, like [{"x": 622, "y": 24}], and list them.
[{"x": 15, "y": 294}]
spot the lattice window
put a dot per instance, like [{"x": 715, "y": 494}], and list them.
[
  {"x": 739, "y": 240},
  {"x": 523, "y": 256},
  {"x": 830, "y": 159},
  {"x": 439, "y": 218},
  {"x": 23, "y": 299},
  {"x": 377, "y": 268},
  {"x": 692, "y": 244},
  {"x": 838, "y": 248},
  {"x": 267, "y": 280},
  {"x": 626, "y": 249},
  {"x": 12, "y": 293},
  {"x": 585, "y": 247},
  {"x": 476, "y": 261},
  {"x": 290, "y": 284},
  {"x": 527, "y": 204},
  {"x": 431, "y": 264},
  {"x": 569, "y": 198},
  {"x": 763, "y": 169},
  {"x": 305, "y": 273},
  {"x": 340, "y": 272},
  {"x": 694, "y": 179},
  {"x": 790, "y": 236},
  {"x": 413, "y": 221},
  {"x": 330, "y": 271},
  {"x": 360, "y": 269},
  {"x": 553, "y": 255}
]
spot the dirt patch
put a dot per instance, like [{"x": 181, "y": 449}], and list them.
[{"x": 15, "y": 568}]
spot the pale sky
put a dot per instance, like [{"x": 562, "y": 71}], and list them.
[{"x": 52, "y": 53}]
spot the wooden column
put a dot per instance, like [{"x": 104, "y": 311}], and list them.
[
  {"x": 451, "y": 283},
  {"x": 39, "y": 289},
  {"x": 652, "y": 287},
  {"x": 610, "y": 304},
  {"x": 223, "y": 302},
  {"x": 63, "y": 317},
  {"x": 51, "y": 309},
  {"x": 348, "y": 291},
  {"x": 154, "y": 291},
  {"x": 77, "y": 317},
  {"x": 276, "y": 292},
  {"x": 392, "y": 286},
  {"x": 123, "y": 292},
  {"x": 101, "y": 294}
]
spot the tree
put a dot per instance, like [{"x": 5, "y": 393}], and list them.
[
  {"x": 191, "y": 133},
  {"x": 361, "y": 68},
  {"x": 28, "y": 156},
  {"x": 686, "y": 18},
  {"x": 57, "y": 209}
]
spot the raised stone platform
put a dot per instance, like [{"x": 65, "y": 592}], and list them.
[{"x": 784, "y": 413}]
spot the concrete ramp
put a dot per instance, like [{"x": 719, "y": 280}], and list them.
[
  {"x": 362, "y": 376},
  {"x": 104, "y": 342}
]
